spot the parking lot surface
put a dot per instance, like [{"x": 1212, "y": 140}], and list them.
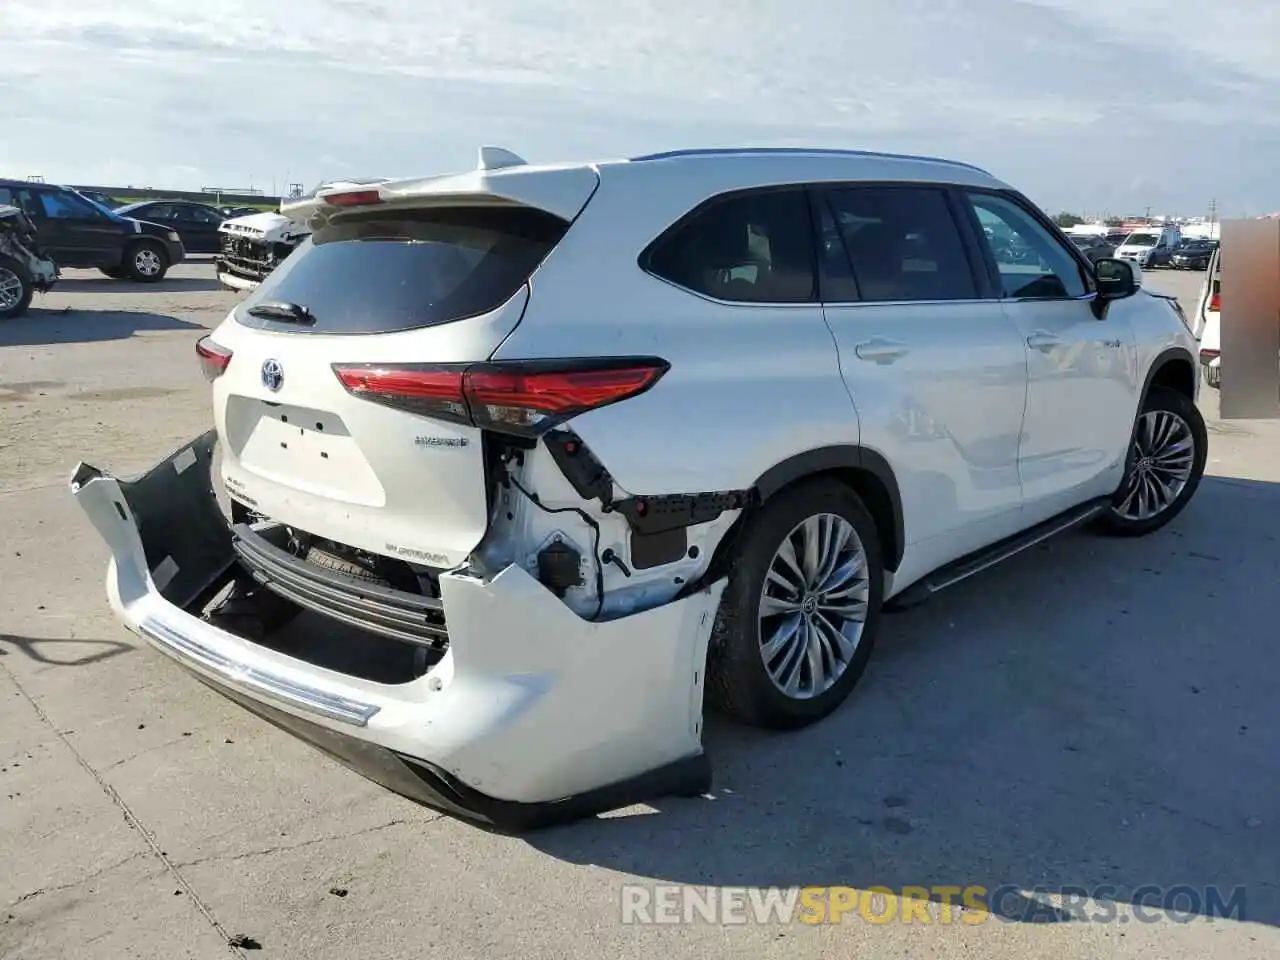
[{"x": 1096, "y": 712}]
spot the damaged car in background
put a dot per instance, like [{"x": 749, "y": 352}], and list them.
[
  {"x": 252, "y": 246},
  {"x": 24, "y": 269},
  {"x": 521, "y": 464}
]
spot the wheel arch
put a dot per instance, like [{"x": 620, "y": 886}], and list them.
[
  {"x": 1173, "y": 368},
  {"x": 866, "y": 471}
]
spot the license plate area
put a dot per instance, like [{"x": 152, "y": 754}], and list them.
[{"x": 302, "y": 448}]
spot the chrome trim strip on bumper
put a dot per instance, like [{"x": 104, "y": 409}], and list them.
[{"x": 295, "y": 694}]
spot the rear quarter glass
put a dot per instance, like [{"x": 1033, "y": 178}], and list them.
[{"x": 380, "y": 272}]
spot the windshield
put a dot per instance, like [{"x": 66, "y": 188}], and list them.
[{"x": 1142, "y": 240}]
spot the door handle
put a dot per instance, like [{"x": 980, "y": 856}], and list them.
[
  {"x": 1043, "y": 341},
  {"x": 880, "y": 350}
]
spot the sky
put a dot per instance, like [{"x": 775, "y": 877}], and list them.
[{"x": 1085, "y": 105}]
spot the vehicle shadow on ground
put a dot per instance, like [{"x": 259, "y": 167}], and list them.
[
  {"x": 38, "y": 649},
  {"x": 101, "y": 285},
  {"x": 1098, "y": 713},
  {"x": 85, "y": 326}
]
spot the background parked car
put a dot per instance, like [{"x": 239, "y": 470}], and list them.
[
  {"x": 1093, "y": 246},
  {"x": 196, "y": 223},
  {"x": 1193, "y": 255},
  {"x": 76, "y": 232},
  {"x": 1150, "y": 248}
]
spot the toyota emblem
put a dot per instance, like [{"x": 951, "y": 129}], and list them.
[{"x": 272, "y": 375}]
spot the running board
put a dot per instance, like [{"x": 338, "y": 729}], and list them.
[{"x": 976, "y": 562}]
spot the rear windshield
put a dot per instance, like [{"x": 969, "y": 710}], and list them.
[{"x": 373, "y": 273}]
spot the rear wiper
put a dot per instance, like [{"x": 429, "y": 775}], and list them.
[{"x": 282, "y": 310}]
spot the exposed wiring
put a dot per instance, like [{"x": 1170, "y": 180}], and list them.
[{"x": 595, "y": 546}]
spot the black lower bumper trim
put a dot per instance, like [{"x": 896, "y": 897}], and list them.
[{"x": 427, "y": 784}]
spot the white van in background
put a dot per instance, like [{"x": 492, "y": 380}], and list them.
[{"x": 1151, "y": 247}]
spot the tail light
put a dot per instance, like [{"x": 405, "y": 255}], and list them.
[
  {"x": 523, "y": 397},
  {"x": 1215, "y": 303},
  {"x": 214, "y": 359},
  {"x": 1208, "y": 356}
]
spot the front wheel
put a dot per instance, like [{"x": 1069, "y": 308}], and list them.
[
  {"x": 146, "y": 262},
  {"x": 797, "y": 620},
  {"x": 1165, "y": 463},
  {"x": 16, "y": 288}
]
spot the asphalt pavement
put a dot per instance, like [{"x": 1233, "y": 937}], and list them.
[{"x": 1096, "y": 714}]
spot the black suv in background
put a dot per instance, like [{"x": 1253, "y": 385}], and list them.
[{"x": 76, "y": 232}]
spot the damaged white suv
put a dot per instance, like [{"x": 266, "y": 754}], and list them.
[{"x": 552, "y": 451}]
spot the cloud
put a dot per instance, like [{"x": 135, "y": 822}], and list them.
[{"x": 1077, "y": 103}]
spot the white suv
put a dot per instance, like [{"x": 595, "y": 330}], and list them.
[{"x": 569, "y": 446}]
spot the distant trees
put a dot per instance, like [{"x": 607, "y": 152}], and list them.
[{"x": 1065, "y": 220}]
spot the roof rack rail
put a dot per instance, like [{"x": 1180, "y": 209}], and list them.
[{"x": 798, "y": 151}]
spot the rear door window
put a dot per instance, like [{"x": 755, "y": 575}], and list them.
[
  {"x": 901, "y": 244},
  {"x": 378, "y": 273}
]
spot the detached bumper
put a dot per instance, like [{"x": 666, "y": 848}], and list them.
[{"x": 533, "y": 716}]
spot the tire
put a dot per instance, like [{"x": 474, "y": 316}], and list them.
[
  {"x": 16, "y": 288},
  {"x": 115, "y": 273},
  {"x": 1137, "y": 512},
  {"x": 146, "y": 262},
  {"x": 739, "y": 683}
]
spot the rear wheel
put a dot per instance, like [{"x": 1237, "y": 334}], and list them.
[
  {"x": 797, "y": 620},
  {"x": 16, "y": 288},
  {"x": 146, "y": 262},
  {"x": 1166, "y": 461}
]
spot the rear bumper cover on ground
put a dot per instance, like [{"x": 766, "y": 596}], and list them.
[{"x": 533, "y": 716}]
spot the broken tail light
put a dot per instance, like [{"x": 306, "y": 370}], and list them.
[
  {"x": 523, "y": 398},
  {"x": 214, "y": 358}
]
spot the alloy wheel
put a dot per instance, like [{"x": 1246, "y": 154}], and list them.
[
  {"x": 813, "y": 606},
  {"x": 147, "y": 261},
  {"x": 1163, "y": 458},
  {"x": 10, "y": 289}
]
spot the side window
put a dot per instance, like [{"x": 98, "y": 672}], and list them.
[
  {"x": 1031, "y": 261},
  {"x": 902, "y": 243},
  {"x": 7, "y": 198},
  {"x": 750, "y": 248},
  {"x": 156, "y": 211},
  {"x": 66, "y": 206},
  {"x": 201, "y": 215}
]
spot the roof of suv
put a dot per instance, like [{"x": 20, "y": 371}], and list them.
[{"x": 683, "y": 176}]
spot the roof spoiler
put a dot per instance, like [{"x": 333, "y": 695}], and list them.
[{"x": 498, "y": 179}]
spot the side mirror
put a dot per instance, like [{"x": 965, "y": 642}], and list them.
[{"x": 1117, "y": 279}]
